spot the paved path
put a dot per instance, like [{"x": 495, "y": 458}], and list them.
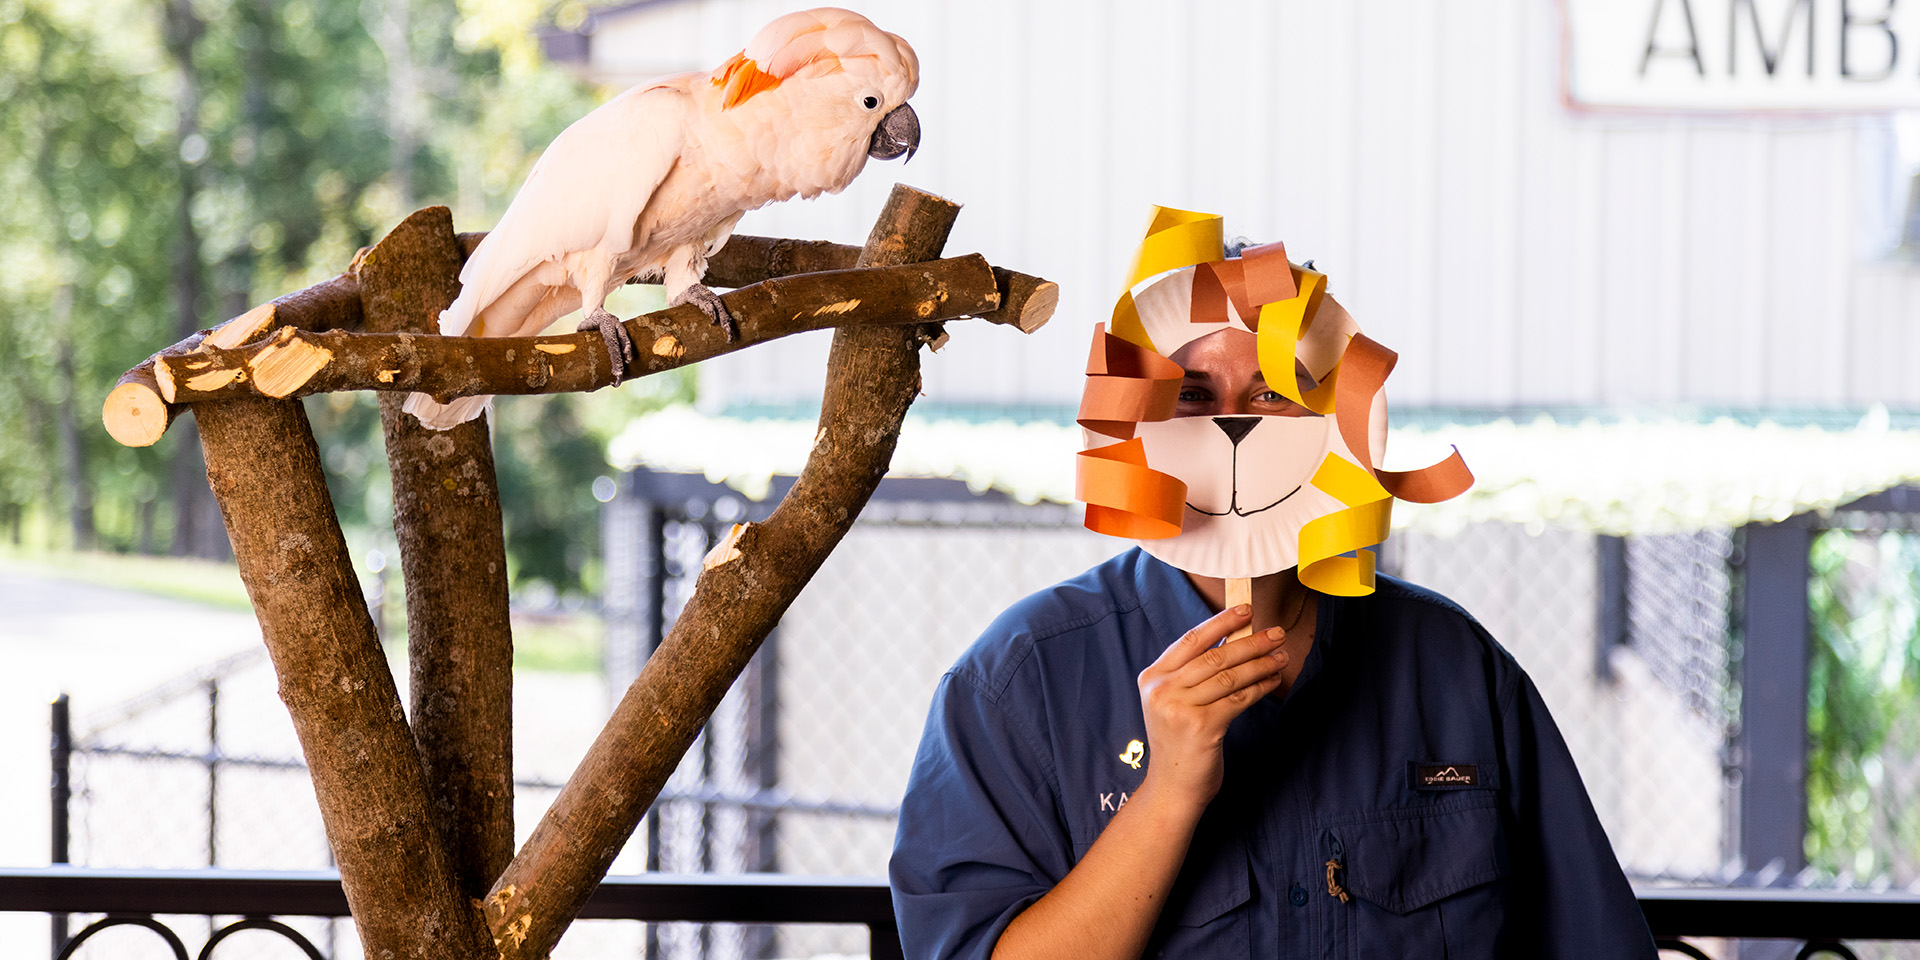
[
  {"x": 98, "y": 645},
  {"x": 102, "y": 645}
]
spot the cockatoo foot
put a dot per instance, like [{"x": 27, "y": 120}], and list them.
[
  {"x": 620, "y": 351},
  {"x": 711, "y": 305}
]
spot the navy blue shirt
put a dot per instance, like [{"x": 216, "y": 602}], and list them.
[{"x": 1412, "y": 751}]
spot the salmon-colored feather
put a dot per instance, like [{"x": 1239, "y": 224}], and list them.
[{"x": 742, "y": 78}]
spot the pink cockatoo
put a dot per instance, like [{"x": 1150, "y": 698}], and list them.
[{"x": 651, "y": 183}]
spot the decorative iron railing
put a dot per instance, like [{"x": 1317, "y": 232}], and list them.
[
  {"x": 136, "y": 896},
  {"x": 1821, "y": 922}
]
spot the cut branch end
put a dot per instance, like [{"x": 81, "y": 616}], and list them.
[{"x": 135, "y": 415}]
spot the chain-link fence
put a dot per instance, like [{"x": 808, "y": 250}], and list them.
[
  {"x": 1627, "y": 640},
  {"x": 1632, "y": 641},
  {"x": 201, "y": 771}
]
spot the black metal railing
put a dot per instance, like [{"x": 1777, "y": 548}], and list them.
[
  {"x": 1821, "y": 922},
  {"x": 698, "y": 898}
]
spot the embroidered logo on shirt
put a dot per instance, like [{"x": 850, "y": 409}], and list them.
[
  {"x": 1445, "y": 776},
  {"x": 1131, "y": 756}
]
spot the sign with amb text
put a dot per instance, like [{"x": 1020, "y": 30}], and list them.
[{"x": 1743, "y": 55}]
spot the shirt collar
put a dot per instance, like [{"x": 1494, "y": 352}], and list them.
[{"x": 1155, "y": 581}]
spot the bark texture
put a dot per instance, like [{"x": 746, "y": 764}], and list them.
[
  {"x": 453, "y": 557},
  {"x": 294, "y": 362},
  {"x": 750, "y": 579},
  {"x": 264, "y": 468}
]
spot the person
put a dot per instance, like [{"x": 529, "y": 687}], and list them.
[{"x": 1369, "y": 776}]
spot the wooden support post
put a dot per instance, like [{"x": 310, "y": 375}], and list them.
[
  {"x": 453, "y": 556},
  {"x": 751, "y": 577},
  {"x": 264, "y": 468}
]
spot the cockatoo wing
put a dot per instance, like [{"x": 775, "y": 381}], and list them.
[{"x": 586, "y": 191}]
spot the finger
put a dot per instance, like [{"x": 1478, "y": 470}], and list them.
[
  {"x": 1203, "y": 637},
  {"x": 1204, "y": 668},
  {"x": 1234, "y": 704},
  {"x": 1229, "y": 684}
]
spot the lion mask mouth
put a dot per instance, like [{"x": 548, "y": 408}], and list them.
[{"x": 1249, "y": 488}]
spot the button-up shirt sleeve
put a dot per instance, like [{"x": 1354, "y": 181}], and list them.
[
  {"x": 1569, "y": 896},
  {"x": 979, "y": 839}
]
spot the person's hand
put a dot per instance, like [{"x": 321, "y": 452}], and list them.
[
  {"x": 1193, "y": 692},
  {"x": 1189, "y": 696}
]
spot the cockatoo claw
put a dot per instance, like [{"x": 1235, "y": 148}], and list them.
[
  {"x": 620, "y": 351},
  {"x": 711, "y": 305}
]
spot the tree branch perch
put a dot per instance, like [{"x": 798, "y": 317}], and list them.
[{"x": 139, "y": 410}]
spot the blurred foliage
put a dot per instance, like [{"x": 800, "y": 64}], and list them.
[
  {"x": 1863, "y": 706},
  {"x": 171, "y": 162}
]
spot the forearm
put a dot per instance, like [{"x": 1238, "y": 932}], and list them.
[{"x": 1106, "y": 906}]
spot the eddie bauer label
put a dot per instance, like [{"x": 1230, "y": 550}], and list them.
[{"x": 1445, "y": 776}]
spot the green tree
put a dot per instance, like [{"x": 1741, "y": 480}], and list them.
[
  {"x": 176, "y": 161},
  {"x": 83, "y": 163},
  {"x": 1863, "y": 709}
]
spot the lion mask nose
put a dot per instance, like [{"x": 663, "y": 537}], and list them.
[{"x": 1236, "y": 428}]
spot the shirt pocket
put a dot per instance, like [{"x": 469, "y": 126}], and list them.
[
  {"x": 1425, "y": 883},
  {"x": 1206, "y": 913}
]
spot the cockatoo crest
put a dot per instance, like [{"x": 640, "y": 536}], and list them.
[{"x": 813, "y": 43}]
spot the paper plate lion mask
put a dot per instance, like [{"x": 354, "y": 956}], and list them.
[{"x": 1243, "y": 496}]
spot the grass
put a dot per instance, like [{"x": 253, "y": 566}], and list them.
[
  {"x": 179, "y": 578},
  {"x": 546, "y": 642},
  {"x": 557, "y": 643}
]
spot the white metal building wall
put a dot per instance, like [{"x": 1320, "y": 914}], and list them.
[{"x": 1514, "y": 251}]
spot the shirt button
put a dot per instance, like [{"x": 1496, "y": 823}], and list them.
[{"x": 1298, "y": 895}]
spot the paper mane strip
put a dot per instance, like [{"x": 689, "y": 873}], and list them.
[{"x": 1131, "y": 381}]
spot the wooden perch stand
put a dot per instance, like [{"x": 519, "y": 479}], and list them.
[
  {"x": 285, "y": 356},
  {"x": 420, "y": 814}
]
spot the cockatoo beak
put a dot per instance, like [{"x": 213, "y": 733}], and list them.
[{"x": 898, "y": 133}]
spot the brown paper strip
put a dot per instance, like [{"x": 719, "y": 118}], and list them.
[
  {"x": 1363, "y": 371},
  {"x": 1126, "y": 383}
]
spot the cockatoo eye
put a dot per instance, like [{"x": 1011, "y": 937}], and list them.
[{"x": 871, "y": 102}]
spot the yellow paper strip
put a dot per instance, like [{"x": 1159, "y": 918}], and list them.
[
  {"x": 1280, "y": 323},
  {"x": 1325, "y": 541},
  {"x": 1175, "y": 239}
]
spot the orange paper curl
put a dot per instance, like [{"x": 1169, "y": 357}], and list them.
[
  {"x": 1366, "y": 365},
  {"x": 1211, "y": 298},
  {"x": 1269, "y": 277},
  {"x": 1260, "y": 275},
  {"x": 1126, "y": 383},
  {"x": 1125, "y": 497}
]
